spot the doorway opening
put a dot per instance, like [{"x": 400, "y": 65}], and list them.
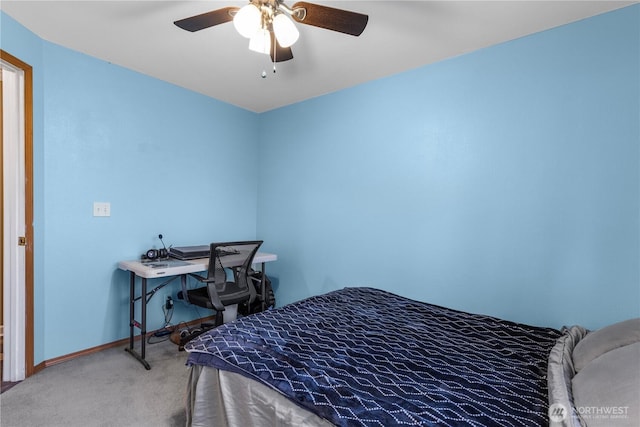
[{"x": 16, "y": 203}]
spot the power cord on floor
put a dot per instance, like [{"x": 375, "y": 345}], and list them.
[{"x": 163, "y": 333}]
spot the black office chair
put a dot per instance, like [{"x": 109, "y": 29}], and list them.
[{"x": 228, "y": 280}]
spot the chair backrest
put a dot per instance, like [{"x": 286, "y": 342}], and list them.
[{"x": 232, "y": 260}]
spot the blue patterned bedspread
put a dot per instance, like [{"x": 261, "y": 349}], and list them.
[{"x": 366, "y": 357}]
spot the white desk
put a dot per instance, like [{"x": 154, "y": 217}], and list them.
[
  {"x": 167, "y": 268},
  {"x": 174, "y": 267}
]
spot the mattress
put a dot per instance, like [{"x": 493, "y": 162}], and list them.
[{"x": 367, "y": 357}]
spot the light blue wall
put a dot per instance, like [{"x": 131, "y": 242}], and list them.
[
  {"x": 504, "y": 182},
  {"x": 168, "y": 160}
]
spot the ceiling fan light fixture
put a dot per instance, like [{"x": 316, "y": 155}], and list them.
[
  {"x": 248, "y": 20},
  {"x": 285, "y": 30},
  {"x": 261, "y": 42},
  {"x": 270, "y": 25}
]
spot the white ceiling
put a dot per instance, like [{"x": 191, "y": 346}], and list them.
[{"x": 401, "y": 35}]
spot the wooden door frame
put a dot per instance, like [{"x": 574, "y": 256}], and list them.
[{"x": 28, "y": 172}]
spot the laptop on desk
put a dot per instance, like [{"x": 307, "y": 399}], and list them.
[{"x": 189, "y": 252}]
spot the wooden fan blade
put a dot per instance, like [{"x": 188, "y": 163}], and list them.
[
  {"x": 330, "y": 18},
  {"x": 207, "y": 19},
  {"x": 281, "y": 53}
]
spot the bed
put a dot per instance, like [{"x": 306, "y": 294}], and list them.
[{"x": 367, "y": 357}]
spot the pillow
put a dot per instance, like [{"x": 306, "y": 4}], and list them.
[
  {"x": 603, "y": 340},
  {"x": 606, "y": 392},
  {"x": 559, "y": 374}
]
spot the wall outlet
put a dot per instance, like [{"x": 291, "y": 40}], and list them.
[{"x": 101, "y": 209}]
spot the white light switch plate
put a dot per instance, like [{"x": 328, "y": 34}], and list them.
[{"x": 101, "y": 209}]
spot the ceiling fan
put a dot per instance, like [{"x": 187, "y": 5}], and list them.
[{"x": 267, "y": 25}]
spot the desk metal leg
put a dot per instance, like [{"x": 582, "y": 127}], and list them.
[
  {"x": 132, "y": 306},
  {"x": 142, "y": 325},
  {"x": 263, "y": 288}
]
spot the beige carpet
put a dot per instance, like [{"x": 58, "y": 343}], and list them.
[{"x": 109, "y": 388}]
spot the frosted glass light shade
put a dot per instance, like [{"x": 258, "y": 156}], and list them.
[
  {"x": 248, "y": 20},
  {"x": 285, "y": 30},
  {"x": 261, "y": 41}
]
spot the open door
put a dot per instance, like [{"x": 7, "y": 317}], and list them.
[{"x": 17, "y": 214}]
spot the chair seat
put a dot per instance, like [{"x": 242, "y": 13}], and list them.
[{"x": 233, "y": 295}]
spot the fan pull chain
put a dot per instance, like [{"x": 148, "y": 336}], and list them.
[
  {"x": 275, "y": 52},
  {"x": 264, "y": 72}
]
